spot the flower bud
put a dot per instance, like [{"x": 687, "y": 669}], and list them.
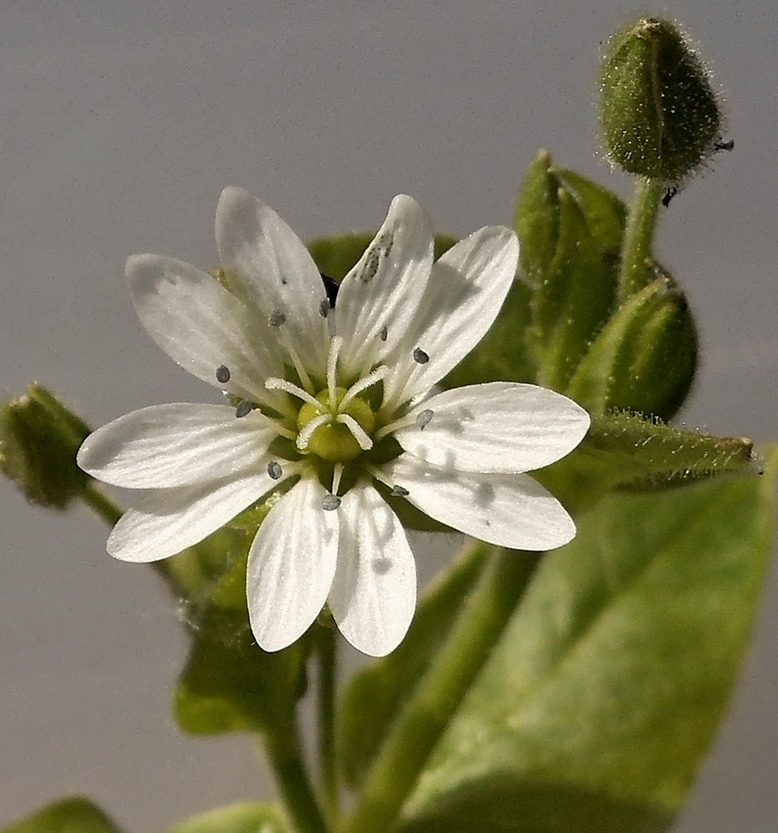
[
  {"x": 644, "y": 359},
  {"x": 39, "y": 438},
  {"x": 659, "y": 114},
  {"x": 569, "y": 265}
]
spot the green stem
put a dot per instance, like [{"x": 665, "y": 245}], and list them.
[
  {"x": 284, "y": 755},
  {"x": 430, "y": 707},
  {"x": 327, "y": 657},
  {"x": 96, "y": 500},
  {"x": 638, "y": 237}
]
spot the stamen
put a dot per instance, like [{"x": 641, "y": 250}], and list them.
[
  {"x": 391, "y": 427},
  {"x": 332, "y": 365},
  {"x": 364, "y": 383},
  {"x": 304, "y": 437},
  {"x": 384, "y": 333},
  {"x": 330, "y": 502},
  {"x": 365, "y": 443},
  {"x": 298, "y": 365},
  {"x": 324, "y": 308},
  {"x": 420, "y": 357},
  {"x": 244, "y": 408},
  {"x": 399, "y": 491},
  {"x": 423, "y": 419},
  {"x": 274, "y": 470},
  {"x": 276, "y": 318},
  {"x": 336, "y": 475},
  {"x": 274, "y": 383},
  {"x": 281, "y": 431},
  {"x": 223, "y": 374}
]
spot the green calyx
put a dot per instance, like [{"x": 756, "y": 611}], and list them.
[
  {"x": 659, "y": 113},
  {"x": 39, "y": 438},
  {"x": 334, "y": 441}
]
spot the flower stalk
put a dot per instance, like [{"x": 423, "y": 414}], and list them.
[
  {"x": 283, "y": 751},
  {"x": 635, "y": 274}
]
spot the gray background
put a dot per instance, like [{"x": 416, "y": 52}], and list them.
[{"x": 121, "y": 122}]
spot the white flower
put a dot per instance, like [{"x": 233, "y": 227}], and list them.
[{"x": 333, "y": 410}]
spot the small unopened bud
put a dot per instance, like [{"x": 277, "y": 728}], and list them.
[
  {"x": 659, "y": 113},
  {"x": 644, "y": 359},
  {"x": 39, "y": 438}
]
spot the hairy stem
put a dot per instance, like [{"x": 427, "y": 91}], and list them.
[
  {"x": 430, "y": 707},
  {"x": 284, "y": 755},
  {"x": 638, "y": 237},
  {"x": 327, "y": 659}
]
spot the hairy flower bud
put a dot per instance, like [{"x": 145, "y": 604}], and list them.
[
  {"x": 659, "y": 114},
  {"x": 644, "y": 359},
  {"x": 39, "y": 438}
]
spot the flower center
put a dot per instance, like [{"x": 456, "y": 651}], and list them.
[{"x": 334, "y": 433}]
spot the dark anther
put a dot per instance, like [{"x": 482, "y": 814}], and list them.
[
  {"x": 223, "y": 374},
  {"x": 274, "y": 470},
  {"x": 399, "y": 491},
  {"x": 244, "y": 408},
  {"x": 331, "y": 288},
  {"x": 384, "y": 333},
  {"x": 730, "y": 145},
  {"x": 277, "y": 318},
  {"x": 423, "y": 419},
  {"x": 420, "y": 356},
  {"x": 324, "y": 308},
  {"x": 330, "y": 502}
]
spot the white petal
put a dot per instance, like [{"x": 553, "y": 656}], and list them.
[
  {"x": 496, "y": 427},
  {"x": 291, "y": 566},
  {"x": 170, "y": 520},
  {"x": 176, "y": 445},
  {"x": 374, "y": 593},
  {"x": 271, "y": 268},
  {"x": 380, "y": 296},
  {"x": 510, "y": 510},
  {"x": 202, "y": 326},
  {"x": 466, "y": 289}
]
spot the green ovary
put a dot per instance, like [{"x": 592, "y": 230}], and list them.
[{"x": 333, "y": 441}]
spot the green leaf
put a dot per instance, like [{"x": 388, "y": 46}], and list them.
[
  {"x": 644, "y": 359},
  {"x": 596, "y": 708},
  {"x": 229, "y": 683},
  {"x": 237, "y": 818},
  {"x": 334, "y": 256},
  {"x": 375, "y": 693},
  {"x": 68, "y": 815},
  {"x": 629, "y": 452}
]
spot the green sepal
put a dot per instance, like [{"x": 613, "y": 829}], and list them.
[
  {"x": 39, "y": 438},
  {"x": 659, "y": 113},
  {"x": 374, "y": 694},
  {"x": 229, "y": 683},
  {"x": 597, "y": 706},
  {"x": 629, "y": 452},
  {"x": 569, "y": 265},
  {"x": 645, "y": 357},
  {"x": 236, "y": 818},
  {"x": 536, "y": 219},
  {"x": 606, "y": 214},
  {"x": 67, "y": 815},
  {"x": 334, "y": 256}
]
